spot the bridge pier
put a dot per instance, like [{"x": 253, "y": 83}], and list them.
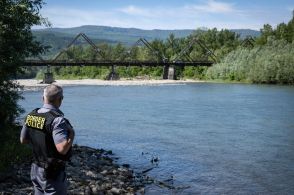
[
  {"x": 112, "y": 75},
  {"x": 48, "y": 76},
  {"x": 169, "y": 72},
  {"x": 165, "y": 72}
]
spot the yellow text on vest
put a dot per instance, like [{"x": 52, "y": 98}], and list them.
[{"x": 35, "y": 121}]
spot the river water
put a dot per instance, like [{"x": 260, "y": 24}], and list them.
[{"x": 209, "y": 138}]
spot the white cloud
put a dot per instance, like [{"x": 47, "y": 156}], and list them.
[
  {"x": 154, "y": 12},
  {"x": 65, "y": 17},
  {"x": 212, "y": 6},
  {"x": 134, "y": 10},
  {"x": 209, "y": 14}
]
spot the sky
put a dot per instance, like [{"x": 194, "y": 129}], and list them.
[{"x": 168, "y": 14}]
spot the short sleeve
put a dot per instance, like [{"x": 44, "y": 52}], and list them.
[{"x": 59, "y": 130}]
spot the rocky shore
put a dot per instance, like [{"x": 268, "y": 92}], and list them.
[{"x": 90, "y": 171}]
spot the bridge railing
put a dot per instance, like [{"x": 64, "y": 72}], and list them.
[{"x": 113, "y": 63}]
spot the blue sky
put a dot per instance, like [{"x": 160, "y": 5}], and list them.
[{"x": 168, "y": 14}]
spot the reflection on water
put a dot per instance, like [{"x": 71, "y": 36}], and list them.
[{"x": 215, "y": 138}]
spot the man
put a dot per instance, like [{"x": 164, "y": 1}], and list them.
[{"x": 51, "y": 137}]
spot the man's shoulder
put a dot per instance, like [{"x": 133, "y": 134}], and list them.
[
  {"x": 61, "y": 123},
  {"x": 59, "y": 119}
]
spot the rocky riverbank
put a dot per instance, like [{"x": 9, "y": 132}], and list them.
[{"x": 90, "y": 171}]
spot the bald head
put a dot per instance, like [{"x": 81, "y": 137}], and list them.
[{"x": 53, "y": 94}]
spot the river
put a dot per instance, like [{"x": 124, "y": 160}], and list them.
[{"x": 208, "y": 138}]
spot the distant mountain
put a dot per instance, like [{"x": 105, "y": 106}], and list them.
[
  {"x": 59, "y": 38},
  {"x": 246, "y": 32},
  {"x": 123, "y": 35}
]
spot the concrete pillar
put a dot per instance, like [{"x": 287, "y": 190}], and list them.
[
  {"x": 171, "y": 73},
  {"x": 165, "y": 72},
  {"x": 112, "y": 75},
  {"x": 48, "y": 78}
]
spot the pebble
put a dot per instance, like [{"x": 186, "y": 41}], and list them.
[
  {"x": 115, "y": 190},
  {"x": 104, "y": 172},
  {"x": 90, "y": 171}
]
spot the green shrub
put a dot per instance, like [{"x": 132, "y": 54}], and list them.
[{"x": 270, "y": 63}]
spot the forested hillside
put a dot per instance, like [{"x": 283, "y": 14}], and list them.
[
  {"x": 58, "y": 38},
  {"x": 56, "y": 41}
]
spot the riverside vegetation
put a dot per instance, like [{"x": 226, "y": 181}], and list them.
[
  {"x": 16, "y": 44},
  {"x": 269, "y": 59}
]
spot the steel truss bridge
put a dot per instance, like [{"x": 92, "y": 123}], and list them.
[{"x": 168, "y": 65}]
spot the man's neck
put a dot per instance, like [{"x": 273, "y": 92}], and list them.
[{"x": 50, "y": 105}]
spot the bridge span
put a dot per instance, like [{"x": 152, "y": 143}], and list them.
[{"x": 181, "y": 60}]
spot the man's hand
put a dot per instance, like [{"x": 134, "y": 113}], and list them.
[
  {"x": 71, "y": 133},
  {"x": 24, "y": 141}
]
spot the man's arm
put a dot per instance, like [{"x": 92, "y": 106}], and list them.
[
  {"x": 63, "y": 135},
  {"x": 64, "y": 146},
  {"x": 24, "y": 137}
]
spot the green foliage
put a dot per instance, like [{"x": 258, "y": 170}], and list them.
[
  {"x": 265, "y": 33},
  {"x": 16, "y": 43},
  {"x": 195, "y": 73},
  {"x": 281, "y": 32},
  {"x": 220, "y": 42},
  {"x": 270, "y": 63},
  {"x": 11, "y": 150},
  {"x": 77, "y": 72}
]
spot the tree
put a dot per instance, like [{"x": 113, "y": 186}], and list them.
[
  {"x": 266, "y": 31},
  {"x": 16, "y": 43}
]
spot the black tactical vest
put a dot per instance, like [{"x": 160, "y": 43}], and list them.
[{"x": 40, "y": 132}]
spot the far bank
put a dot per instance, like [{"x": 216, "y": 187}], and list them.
[{"x": 33, "y": 83}]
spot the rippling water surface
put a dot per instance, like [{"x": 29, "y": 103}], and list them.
[{"x": 211, "y": 138}]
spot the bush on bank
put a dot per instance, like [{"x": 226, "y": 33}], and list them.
[{"x": 269, "y": 63}]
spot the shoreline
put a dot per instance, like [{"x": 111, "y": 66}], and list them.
[
  {"x": 35, "y": 84},
  {"x": 29, "y": 84},
  {"x": 90, "y": 171}
]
